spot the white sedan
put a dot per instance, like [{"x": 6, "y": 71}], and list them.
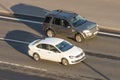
[{"x": 56, "y": 49}]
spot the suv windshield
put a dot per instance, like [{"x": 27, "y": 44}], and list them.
[
  {"x": 77, "y": 21},
  {"x": 64, "y": 46}
]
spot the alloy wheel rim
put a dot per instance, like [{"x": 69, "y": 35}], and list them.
[
  {"x": 78, "y": 38},
  {"x": 49, "y": 33}
]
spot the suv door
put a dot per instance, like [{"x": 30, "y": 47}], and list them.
[{"x": 61, "y": 26}]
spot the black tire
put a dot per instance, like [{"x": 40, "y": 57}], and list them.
[
  {"x": 64, "y": 62},
  {"x": 50, "y": 33},
  {"x": 78, "y": 38},
  {"x": 36, "y": 57}
]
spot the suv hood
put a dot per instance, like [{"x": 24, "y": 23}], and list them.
[{"x": 87, "y": 25}]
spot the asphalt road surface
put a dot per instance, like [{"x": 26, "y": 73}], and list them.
[
  {"x": 104, "y": 12},
  {"x": 102, "y": 52}
]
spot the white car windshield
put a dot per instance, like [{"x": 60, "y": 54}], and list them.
[
  {"x": 64, "y": 46},
  {"x": 77, "y": 21}
]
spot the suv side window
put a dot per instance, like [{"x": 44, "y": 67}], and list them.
[
  {"x": 47, "y": 19},
  {"x": 65, "y": 23},
  {"x": 57, "y": 21},
  {"x": 61, "y": 22}
]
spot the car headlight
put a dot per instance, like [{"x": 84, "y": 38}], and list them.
[
  {"x": 87, "y": 32},
  {"x": 71, "y": 57}
]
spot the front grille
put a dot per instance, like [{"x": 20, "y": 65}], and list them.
[{"x": 79, "y": 55}]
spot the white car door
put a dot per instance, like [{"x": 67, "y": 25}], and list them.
[
  {"x": 49, "y": 52},
  {"x": 54, "y": 54}
]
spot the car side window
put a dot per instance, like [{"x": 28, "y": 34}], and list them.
[
  {"x": 52, "y": 48},
  {"x": 47, "y": 47},
  {"x": 47, "y": 19},
  {"x": 43, "y": 46}
]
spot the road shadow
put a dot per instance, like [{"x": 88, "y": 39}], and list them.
[
  {"x": 29, "y": 12},
  {"x": 19, "y": 40}
]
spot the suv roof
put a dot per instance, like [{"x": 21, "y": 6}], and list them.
[{"x": 62, "y": 14}]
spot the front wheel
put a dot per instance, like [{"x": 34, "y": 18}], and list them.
[
  {"x": 50, "y": 33},
  {"x": 78, "y": 38},
  {"x": 65, "y": 62}
]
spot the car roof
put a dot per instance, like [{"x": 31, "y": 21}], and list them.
[
  {"x": 62, "y": 14},
  {"x": 51, "y": 41}
]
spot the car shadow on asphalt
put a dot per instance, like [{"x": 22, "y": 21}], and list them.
[
  {"x": 19, "y": 40},
  {"x": 29, "y": 12}
]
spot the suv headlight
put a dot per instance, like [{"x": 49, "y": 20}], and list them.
[{"x": 87, "y": 32}]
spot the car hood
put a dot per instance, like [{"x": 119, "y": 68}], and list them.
[
  {"x": 87, "y": 25},
  {"x": 74, "y": 51}
]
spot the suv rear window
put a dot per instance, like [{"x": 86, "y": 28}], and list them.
[{"x": 48, "y": 19}]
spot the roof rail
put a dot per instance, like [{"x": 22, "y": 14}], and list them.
[{"x": 58, "y": 10}]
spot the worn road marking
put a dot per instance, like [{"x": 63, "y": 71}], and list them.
[
  {"x": 110, "y": 34},
  {"x": 24, "y": 20},
  {"x": 18, "y": 41},
  {"x": 24, "y": 66}
]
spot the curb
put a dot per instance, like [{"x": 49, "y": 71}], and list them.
[{"x": 5, "y": 12}]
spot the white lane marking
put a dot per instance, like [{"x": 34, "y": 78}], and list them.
[
  {"x": 24, "y": 66},
  {"x": 14, "y": 40},
  {"x": 20, "y": 20},
  {"x": 105, "y": 33}
]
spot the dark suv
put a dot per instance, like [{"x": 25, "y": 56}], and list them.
[{"x": 69, "y": 24}]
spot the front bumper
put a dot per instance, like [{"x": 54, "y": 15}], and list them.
[
  {"x": 90, "y": 36},
  {"x": 77, "y": 60}
]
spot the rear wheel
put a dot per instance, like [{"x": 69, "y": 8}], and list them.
[
  {"x": 36, "y": 57},
  {"x": 65, "y": 62},
  {"x": 50, "y": 33},
  {"x": 78, "y": 38}
]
